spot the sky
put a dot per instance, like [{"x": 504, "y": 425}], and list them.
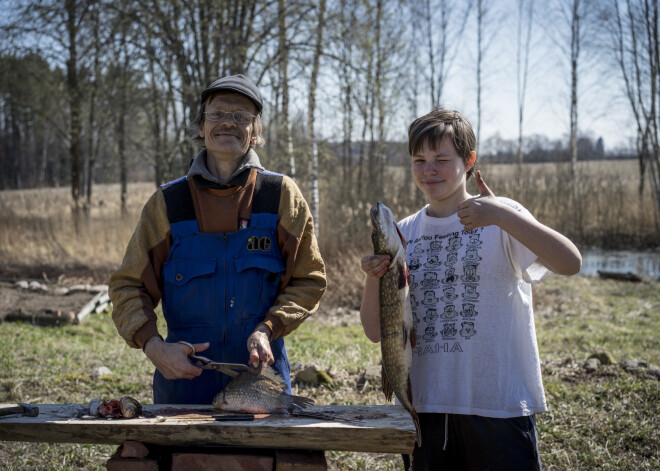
[{"x": 603, "y": 110}]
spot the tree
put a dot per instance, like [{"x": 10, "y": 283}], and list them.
[
  {"x": 523, "y": 41},
  {"x": 450, "y": 28},
  {"x": 311, "y": 108},
  {"x": 634, "y": 34}
]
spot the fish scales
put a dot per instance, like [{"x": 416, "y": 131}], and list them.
[
  {"x": 259, "y": 393},
  {"x": 397, "y": 334}
]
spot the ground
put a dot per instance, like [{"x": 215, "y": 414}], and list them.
[{"x": 15, "y": 300}]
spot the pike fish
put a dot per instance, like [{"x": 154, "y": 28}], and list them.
[
  {"x": 397, "y": 334},
  {"x": 259, "y": 393}
]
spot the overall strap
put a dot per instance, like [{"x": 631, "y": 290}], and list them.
[
  {"x": 266, "y": 198},
  {"x": 178, "y": 201}
]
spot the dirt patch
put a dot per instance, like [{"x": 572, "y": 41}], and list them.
[
  {"x": 28, "y": 303},
  {"x": 49, "y": 298}
]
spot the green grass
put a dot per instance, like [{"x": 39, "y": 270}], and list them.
[{"x": 607, "y": 420}]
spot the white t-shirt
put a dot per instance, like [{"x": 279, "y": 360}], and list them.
[{"x": 471, "y": 298}]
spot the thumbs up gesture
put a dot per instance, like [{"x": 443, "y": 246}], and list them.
[{"x": 480, "y": 210}]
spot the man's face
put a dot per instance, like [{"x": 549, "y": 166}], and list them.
[{"x": 225, "y": 139}]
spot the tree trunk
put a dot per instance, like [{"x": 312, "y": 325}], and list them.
[
  {"x": 284, "y": 83},
  {"x": 311, "y": 107},
  {"x": 74, "y": 105}
]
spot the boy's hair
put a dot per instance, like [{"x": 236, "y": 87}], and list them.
[{"x": 438, "y": 124}]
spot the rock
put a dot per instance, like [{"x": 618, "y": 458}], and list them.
[
  {"x": 296, "y": 366},
  {"x": 654, "y": 370},
  {"x": 36, "y": 286},
  {"x": 22, "y": 284},
  {"x": 372, "y": 374},
  {"x": 133, "y": 449},
  {"x": 101, "y": 371},
  {"x": 634, "y": 365},
  {"x": 61, "y": 291},
  {"x": 312, "y": 375},
  {"x": 591, "y": 365},
  {"x": 605, "y": 357}
]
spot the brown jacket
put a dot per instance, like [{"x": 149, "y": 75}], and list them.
[{"x": 136, "y": 287}]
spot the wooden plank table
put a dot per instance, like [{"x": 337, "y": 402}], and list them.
[{"x": 371, "y": 429}]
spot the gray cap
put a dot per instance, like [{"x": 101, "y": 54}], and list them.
[{"x": 235, "y": 83}]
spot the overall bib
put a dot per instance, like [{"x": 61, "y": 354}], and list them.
[{"x": 217, "y": 288}]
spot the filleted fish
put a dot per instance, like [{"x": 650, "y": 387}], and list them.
[
  {"x": 259, "y": 393},
  {"x": 397, "y": 334}
]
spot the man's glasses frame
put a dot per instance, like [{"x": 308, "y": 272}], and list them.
[{"x": 239, "y": 117}]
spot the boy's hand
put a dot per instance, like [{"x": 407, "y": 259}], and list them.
[
  {"x": 481, "y": 210},
  {"x": 375, "y": 265}
]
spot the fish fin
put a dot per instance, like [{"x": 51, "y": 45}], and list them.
[
  {"x": 316, "y": 415},
  {"x": 413, "y": 337},
  {"x": 413, "y": 414},
  {"x": 272, "y": 375},
  {"x": 302, "y": 402},
  {"x": 385, "y": 384},
  {"x": 403, "y": 275},
  {"x": 403, "y": 239}
]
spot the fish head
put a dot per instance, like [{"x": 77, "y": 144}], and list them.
[
  {"x": 386, "y": 236},
  {"x": 220, "y": 400}
]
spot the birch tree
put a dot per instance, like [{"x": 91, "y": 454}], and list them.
[
  {"x": 634, "y": 34},
  {"x": 311, "y": 108},
  {"x": 525, "y": 20}
]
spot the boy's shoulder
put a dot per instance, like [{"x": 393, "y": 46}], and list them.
[{"x": 512, "y": 204}]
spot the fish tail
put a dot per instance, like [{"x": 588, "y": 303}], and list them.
[
  {"x": 302, "y": 402},
  {"x": 413, "y": 414}
]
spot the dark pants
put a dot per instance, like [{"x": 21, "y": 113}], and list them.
[{"x": 476, "y": 443}]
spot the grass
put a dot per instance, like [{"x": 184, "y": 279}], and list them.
[{"x": 604, "y": 420}]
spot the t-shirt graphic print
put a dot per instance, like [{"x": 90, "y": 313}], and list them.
[{"x": 471, "y": 299}]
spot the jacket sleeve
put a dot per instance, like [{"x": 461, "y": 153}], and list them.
[
  {"x": 304, "y": 281},
  {"x": 136, "y": 287}
]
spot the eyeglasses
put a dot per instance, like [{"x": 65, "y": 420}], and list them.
[{"x": 239, "y": 117}]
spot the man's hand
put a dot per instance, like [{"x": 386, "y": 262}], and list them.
[
  {"x": 259, "y": 346},
  {"x": 375, "y": 265},
  {"x": 171, "y": 359},
  {"x": 481, "y": 210}
]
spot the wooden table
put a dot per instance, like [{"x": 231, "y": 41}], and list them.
[{"x": 371, "y": 429}]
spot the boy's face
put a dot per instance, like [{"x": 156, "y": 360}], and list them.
[{"x": 440, "y": 173}]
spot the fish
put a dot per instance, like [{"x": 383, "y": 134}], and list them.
[
  {"x": 259, "y": 391},
  {"x": 397, "y": 333},
  {"x": 126, "y": 407},
  {"x": 129, "y": 407}
]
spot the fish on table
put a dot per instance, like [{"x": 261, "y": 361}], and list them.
[
  {"x": 259, "y": 392},
  {"x": 397, "y": 333}
]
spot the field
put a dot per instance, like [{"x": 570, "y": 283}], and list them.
[{"x": 607, "y": 419}]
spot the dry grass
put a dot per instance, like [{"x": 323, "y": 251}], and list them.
[{"x": 39, "y": 227}]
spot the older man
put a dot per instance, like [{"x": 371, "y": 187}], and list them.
[{"x": 229, "y": 250}]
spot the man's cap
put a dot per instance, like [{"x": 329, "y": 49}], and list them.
[{"x": 235, "y": 83}]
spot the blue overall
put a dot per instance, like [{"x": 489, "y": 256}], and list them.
[{"x": 217, "y": 288}]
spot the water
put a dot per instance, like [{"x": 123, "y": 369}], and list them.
[{"x": 643, "y": 264}]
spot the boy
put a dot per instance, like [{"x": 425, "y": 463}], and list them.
[{"x": 476, "y": 376}]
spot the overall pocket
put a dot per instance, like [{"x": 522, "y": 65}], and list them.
[
  {"x": 189, "y": 293},
  {"x": 256, "y": 284}
]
